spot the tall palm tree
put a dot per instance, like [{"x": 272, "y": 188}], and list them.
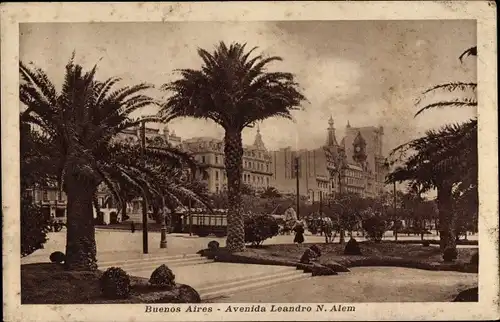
[
  {"x": 234, "y": 91},
  {"x": 79, "y": 124},
  {"x": 445, "y": 159}
]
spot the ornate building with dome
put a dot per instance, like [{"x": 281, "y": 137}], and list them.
[
  {"x": 257, "y": 170},
  {"x": 354, "y": 165}
]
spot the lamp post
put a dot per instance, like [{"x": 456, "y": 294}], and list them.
[
  {"x": 163, "y": 229},
  {"x": 395, "y": 212},
  {"x": 190, "y": 218},
  {"x": 341, "y": 228},
  {"x": 321, "y": 203},
  {"x": 144, "y": 201},
  {"x": 298, "y": 184}
]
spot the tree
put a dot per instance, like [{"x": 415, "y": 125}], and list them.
[
  {"x": 444, "y": 159},
  {"x": 375, "y": 225},
  {"x": 270, "y": 192},
  {"x": 78, "y": 124},
  {"x": 247, "y": 190},
  {"x": 34, "y": 226},
  {"x": 235, "y": 91}
]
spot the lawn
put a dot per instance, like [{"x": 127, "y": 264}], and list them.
[
  {"x": 49, "y": 283},
  {"x": 373, "y": 254}
]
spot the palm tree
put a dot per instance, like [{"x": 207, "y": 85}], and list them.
[
  {"x": 445, "y": 159},
  {"x": 235, "y": 91},
  {"x": 79, "y": 124}
]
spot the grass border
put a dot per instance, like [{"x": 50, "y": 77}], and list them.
[{"x": 224, "y": 256}]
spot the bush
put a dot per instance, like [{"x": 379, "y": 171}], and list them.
[
  {"x": 450, "y": 254},
  {"x": 35, "y": 224},
  {"x": 375, "y": 227},
  {"x": 213, "y": 245},
  {"x": 162, "y": 277},
  {"x": 316, "y": 249},
  {"x": 425, "y": 243},
  {"x": 336, "y": 266},
  {"x": 352, "y": 248},
  {"x": 469, "y": 295},
  {"x": 57, "y": 257},
  {"x": 259, "y": 228},
  {"x": 474, "y": 260},
  {"x": 320, "y": 270},
  {"x": 308, "y": 256},
  {"x": 115, "y": 283}
]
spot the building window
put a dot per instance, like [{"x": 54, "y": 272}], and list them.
[
  {"x": 216, "y": 175},
  {"x": 253, "y": 178},
  {"x": 45, "y": 195},
  {"x": 59, "y": 195},
  {"x": 217, "y": 188},
  {"x": 216, "y": 160},
  {"x": 267, "y": 179},
  {"x": 203, "y": 159},
  {"x": 267, "y": 167}
]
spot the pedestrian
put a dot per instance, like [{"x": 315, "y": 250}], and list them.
[
  {"x": 299, "y": 233},
  {"x": 132, "y": 227}
]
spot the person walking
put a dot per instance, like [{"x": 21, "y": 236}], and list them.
[
  {"x": 132, "y": 227},
  {"x": 299, "y": 233}
]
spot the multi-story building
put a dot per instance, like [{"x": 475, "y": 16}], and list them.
[
  {"x": 134, "y": 134},
  {"x": 374, "y": 164},
  {"x": 355, "y": 165},
  {"x": 51, "y": 200},
  {"x": 210, "y": 153}
]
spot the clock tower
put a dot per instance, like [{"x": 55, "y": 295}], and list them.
[{"x": 359, "y": 145}]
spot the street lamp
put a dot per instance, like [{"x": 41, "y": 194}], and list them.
[
  {"x": 144, "y": 201},
  {"x": 296, "y": 166},
  {"x": 163, "y": 229}
]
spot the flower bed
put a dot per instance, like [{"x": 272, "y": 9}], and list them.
[
  {"x": 373, "y": 254},
  {"x": 49, "y": 283}
]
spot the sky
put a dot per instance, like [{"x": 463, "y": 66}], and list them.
[{"x": 366, "y": 72}]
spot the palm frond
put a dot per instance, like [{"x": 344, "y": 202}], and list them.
[{"x": 469, "y": 52}]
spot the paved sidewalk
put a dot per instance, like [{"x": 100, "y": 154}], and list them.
[{"x": 365, "y": 284}]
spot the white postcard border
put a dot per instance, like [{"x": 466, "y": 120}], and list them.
[{"x": 484, "y": 12}]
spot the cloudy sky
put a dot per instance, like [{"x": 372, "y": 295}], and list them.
[{"x": 364, "y": 72}]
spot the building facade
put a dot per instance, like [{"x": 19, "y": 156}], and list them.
[
  {"x": 354, "y": 165},
  {"x": 133, "y": 134},
  {"x": 210, "y": 153},
  {"x": 51, "y": 200}
]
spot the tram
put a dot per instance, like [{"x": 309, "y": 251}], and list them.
[{"x": 200, "y": 222}]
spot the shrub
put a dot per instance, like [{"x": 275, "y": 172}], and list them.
[
  {"x": 336, "y": 266},
  {"x": 57, "y": 257},
  {"x": 35, "y": 224},
  {"x": 115, "y": 283},
  {"x": 450, "y": 254},
  {"x": 425, "y": 243},
  {"x": 308, "y": 256},
  {"x": 320, "y": 270},
  {"x": 259, "y": 228},
  {"x": 474, "y": 260},
  {"x": 375, "y": 227},
  {"x": 163, "y": 277},
  {"x": 469, "y": 295},
  {"x": 316, "y": 249},
  {"x": 213, "y": 245},
  {"x": 352, "y": 247}
]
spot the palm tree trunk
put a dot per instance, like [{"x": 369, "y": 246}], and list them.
[
  {"x": 233, "y": 150},
  {"x": 80, "y": 236},
  {"x": 446, "y": 220}
]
